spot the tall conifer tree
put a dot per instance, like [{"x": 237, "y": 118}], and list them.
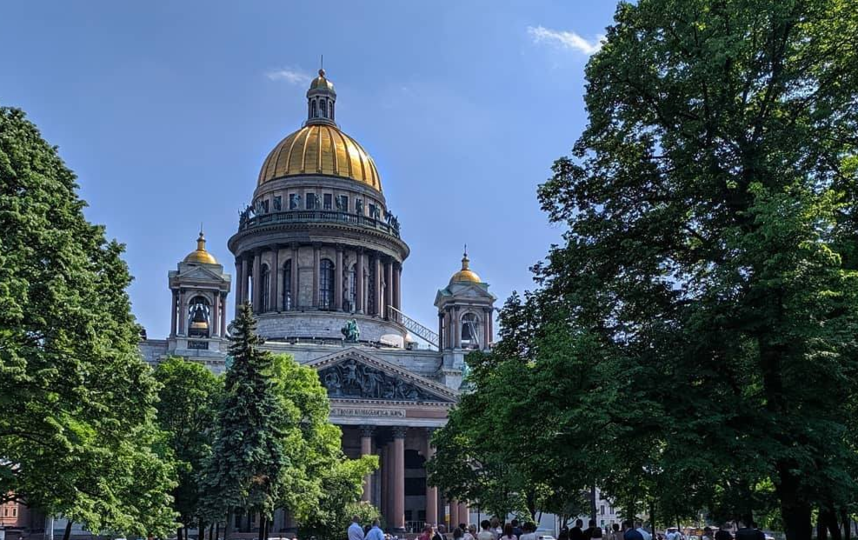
[{"x": 248, "y": 458}]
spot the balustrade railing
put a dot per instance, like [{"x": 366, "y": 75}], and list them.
[{"x": 317, "y": 216}]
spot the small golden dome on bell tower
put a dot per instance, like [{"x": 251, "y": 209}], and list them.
[
  {"x": 465, "y": 275},
  {"x": 200, "y": 255}
]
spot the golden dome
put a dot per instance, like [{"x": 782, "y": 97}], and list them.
[
  {"x": 200, "y": 255},
  {"x": 465, "y": 275},
  {"x": 321, "y": 82},
  {"x": 320, "y": 149}
]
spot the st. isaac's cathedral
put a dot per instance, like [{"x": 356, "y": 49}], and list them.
[{"x": 319, "y": 256}]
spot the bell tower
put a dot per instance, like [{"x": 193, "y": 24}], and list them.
[
  {"x": 199, "y": 290},
  {"x": 465, "y": 310}
]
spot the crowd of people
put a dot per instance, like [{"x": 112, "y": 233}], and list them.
[{"x": 493, "y": 530}]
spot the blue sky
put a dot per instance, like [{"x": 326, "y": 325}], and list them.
[{"x": 166, "y": 110}]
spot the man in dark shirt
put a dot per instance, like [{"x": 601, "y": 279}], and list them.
[
  {"x": 516, "y": 530},
  {"x": 723, "y": 533},
  {"x": 575, "y": 533},
  {"x": 588, "y": 534},
  {"x": 630, "y": 533},
  {"x": 748, "y": 532}
]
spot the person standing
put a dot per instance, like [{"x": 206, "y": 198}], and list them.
[
  {"x": 616, "y": 533},
  {"x": 724, "y": 532},
  {"x": 496, "y": 527},
  {"x": 748, "y": 532},
  {"x": 355, "y": 530},
  {"x": 645, "y": 533},
  {"x": 630, "y": 533},
  {"x": 507, "y": 533},
  {"x": 485, "y": 532},
  {"x": 529, "y": 532},
  {"x": 439, "y": 533},
  {"x": 575, "y": 533},
  {"x": 516, "y": 530},
  {"x": 588, "y": 533},
  {"x": 471, "y": 533},
  {"x": 375, "y": 532}
]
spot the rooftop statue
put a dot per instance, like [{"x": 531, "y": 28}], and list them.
[{"x": 351, "y": 331}]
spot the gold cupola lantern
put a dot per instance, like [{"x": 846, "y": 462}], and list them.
[
  {"x": 200, "y": 255},
  {"x": 465, "y": 275}
]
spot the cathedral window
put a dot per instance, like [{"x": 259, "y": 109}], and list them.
[
  {"x": 278, "y": 203},
  {"x": 314, "y": 113},
  {"x": 265, "y": 206},
  {"x": 328, "y": 201},
  {"x": 287, "y": 285},
  {"x": 326, "y": 284},
  {"x": 311, "y": 201},
  {"x": 469, "y": 331},
  {"x": 265, "y": 283},
  {"x": 324, "y": 109}
]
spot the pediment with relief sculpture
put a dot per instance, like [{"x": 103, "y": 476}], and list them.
[{"x": 355, "y": 374}]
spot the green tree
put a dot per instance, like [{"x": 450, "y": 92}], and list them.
[
  {"x": 187, "y": 414},
  {"x": 710, "y": 245},
  {"x": 341, "y": 487},
  {"x": 318, "y": 475},
  {"x": 78, "y": 402},
  {"x": 245, "y": 470}
]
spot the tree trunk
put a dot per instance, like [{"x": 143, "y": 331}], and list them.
[
  {"x": 593, "y": 503},
  {"x": 268, "y": 527},
  {"x": 847, "y": 524},
  {"x": 217, "y": 532},
  {"x": 227, "y": 529},
  {"x": 261, "y": 535},
  {"x": 829, "y": 521},
  {"x": 652, "y": 516},
  {"x": 211, "y": 532},
  {"x": 795, "y": 512},
  {"x": 796, "y": 518},
  {"x": 201, "y": 527},
  {"x": 67, "y": 533}
]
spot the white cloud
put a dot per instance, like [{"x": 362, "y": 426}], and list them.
[
  {"x": 292, "y": 76},
  {"x": 565, "y": 40}
]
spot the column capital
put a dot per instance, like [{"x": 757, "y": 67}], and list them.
[
  {"x": 367, "y": 431},
  {"x": 399, "y": 432}
]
